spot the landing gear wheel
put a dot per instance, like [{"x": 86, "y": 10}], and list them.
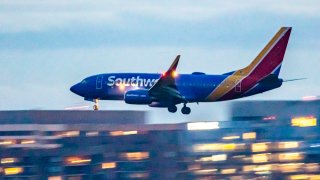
[
  {"x": 172, "y": 109},
  {"x": 96, "y": 104},
  {"x": 186, "y": 110},
  {"x": 95, "y": 107}
]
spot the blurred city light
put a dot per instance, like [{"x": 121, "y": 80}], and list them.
[
  {"x": 108, "y": 165},
  {"x": 77, "y": 107},
  {"x": 305, "y": 177},
  {"x": 260, "y": 158},
  {"x": 135, "y": 156},
  {"x": 67, "y": 134},
  {"x": 55, "y": 178},
  {"x": 77, "y": 160},
  {"x": 8, "y": 160},
  {"x": 259, "y": 147},
  {"x": 217, "y": 147},
  {"x": 270, "y": 118},
  {"x": 122, "y": 133},
  {"x": 202, "y": 126},
  {"x": 290, "y": 156},
  {"x": 310, "y": 98},
  {"x": 231, "y": 137},
  {"x": 288, "y": 145},
  {"x": 13, "y": 170},
  {"x": 28, "y": 141},
  {"x": 213, "y": 158},
  {"x": 92, "y": 133},
  {"x": 205, "y": 171},
  {"x": 233, "y": 150},
  {"x": 249, "y": 135},
  {"x": 7, "y": 142},
  {"x": 228, "y": 171},
  {"x": 306, "y": 121},
  {"x": 139, "y": 175}
]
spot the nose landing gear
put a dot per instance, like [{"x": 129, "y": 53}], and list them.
[{"x": 96, "y": 105}]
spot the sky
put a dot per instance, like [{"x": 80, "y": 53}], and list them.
[{"x": 47, "y": 45}]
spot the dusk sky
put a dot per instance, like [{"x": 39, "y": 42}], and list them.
[{"x": 48, "y": 45}]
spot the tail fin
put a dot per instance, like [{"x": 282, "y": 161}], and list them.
[
  {"x": 270, "y": 59},
  {"x": 267, "y": 63}
]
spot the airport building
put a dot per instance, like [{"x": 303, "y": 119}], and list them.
[{"x": 76, "y": 145}]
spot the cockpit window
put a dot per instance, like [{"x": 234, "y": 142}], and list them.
[{"x": 84, "y": 81}]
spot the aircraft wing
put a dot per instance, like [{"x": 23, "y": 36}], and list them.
[{"x": 165, "y": 89}]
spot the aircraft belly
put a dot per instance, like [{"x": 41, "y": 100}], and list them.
[{"x": 195, "y": 94}]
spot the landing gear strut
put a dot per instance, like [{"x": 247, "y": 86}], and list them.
[
  {"x": 172, "y": 109},
  {"x": 185, "y": 109},
  {"x": 96, "y": 105}
]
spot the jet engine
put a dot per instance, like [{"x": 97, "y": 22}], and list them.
[{"x": 140, "y": 96}]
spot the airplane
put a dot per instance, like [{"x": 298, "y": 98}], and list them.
[{"x": 168, "y": 89}]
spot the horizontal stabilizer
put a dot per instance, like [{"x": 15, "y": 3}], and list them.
[{"x": 297, "y": 79}]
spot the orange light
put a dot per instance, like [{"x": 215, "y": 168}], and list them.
[
  {"x": 260, "y": 158},
  {"x": 8, "y": 142},
  {"x": 163, "y": 74},
  {"x": 288, "y": 145},
  {"x": 217, "y": 147},
  {"x": 174, "y": 74},
  {"x": 134, "y": 156},
  {"x": 249, "y": 135},
  {"x": 259, "y": 147},
  {"x": 228, "y": 171},
  {"x": 77, "y": 160},
  {"x": 122, "y": 87},
  {"x": 290, "y": 156},
  {"x": 55, "y": 178},
  {"x": 108, "y": 165},
  {"x": 68, "y": 134},
  {"x": 122, "y": 133},
  {"x": 28, "y": 141},
  {"x": 205, "y": 171}
]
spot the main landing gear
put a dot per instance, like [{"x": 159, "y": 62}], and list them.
[
  {"x": 172, "y": 109},
  {"x": 184, "y": 110},
  {"x": 96, "y": 105}
]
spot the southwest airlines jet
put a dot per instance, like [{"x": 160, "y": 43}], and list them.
[{"x": 168, "y": 89}]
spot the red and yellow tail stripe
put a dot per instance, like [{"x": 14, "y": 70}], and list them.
[{"x": 269, "y": 59}]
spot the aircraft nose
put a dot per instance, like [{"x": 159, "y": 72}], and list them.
[{"x": 75, "y": 89}]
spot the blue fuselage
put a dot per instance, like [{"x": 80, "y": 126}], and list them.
[{"x": 195, "y": 87}]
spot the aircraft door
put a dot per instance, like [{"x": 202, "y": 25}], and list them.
[
  {"x": 238, "y": 86},
  {"x": 99, "y": 82}
]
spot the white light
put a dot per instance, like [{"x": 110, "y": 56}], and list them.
[
  {"x": 202, "y": 126},
  {"x": 309, "y": 98},
  {"x": 76, "y": 107}
]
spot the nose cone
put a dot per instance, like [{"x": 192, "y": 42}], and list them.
[{"x": 76, "y": 89}]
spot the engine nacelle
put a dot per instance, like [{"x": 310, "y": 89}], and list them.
[{"x": 140, "y": 96}]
